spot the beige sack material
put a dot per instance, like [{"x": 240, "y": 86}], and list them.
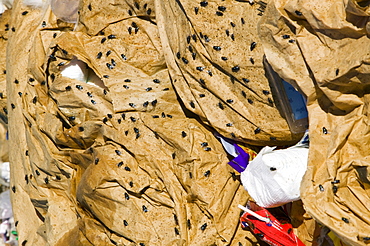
[
  {"x": 4, "y": 28},
  {"x": 215, "y": 59},
  {"x": 326, "y": 56},
  {"x": 114, "y": 161}
]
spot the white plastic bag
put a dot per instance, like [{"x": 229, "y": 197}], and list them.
[{"x": 273, "y": 178}]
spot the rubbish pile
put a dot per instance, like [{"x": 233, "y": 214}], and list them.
[{"x": 185, "y": 122}]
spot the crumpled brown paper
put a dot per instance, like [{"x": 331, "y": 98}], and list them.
[
  {"x": 321, "y": 47},
  {"x": 119, "y": 161},
  {"x": 215, "y": 59}
]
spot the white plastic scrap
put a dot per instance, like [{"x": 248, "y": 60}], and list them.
[
  {"x": 77, "y": 69},
  {"x": 5, "y": 205},
  {"x": 274, "y": 177},
  {"x": 36, "y": 3},
  {"x": 228, "y": 146},
  {"x": 5, "y": 4},
  {"x": 247, "y": 210},
  {"x": 4, "y": 173}
]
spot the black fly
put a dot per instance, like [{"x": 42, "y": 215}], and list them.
[
  {"x": 253, "y": 45},
  {"x": 185, "y": 60},
  {"x": 235, "y": 69},
  {"x": 203, "y": 227},
  {"x": 79, "y": 87},
  {"x": 324, "y": 130},
  {"x": 204, "y": 3}
]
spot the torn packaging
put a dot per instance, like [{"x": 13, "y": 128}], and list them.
[
  {"x": 76, "y": 135},
  {"x": 328, "y": 64}
]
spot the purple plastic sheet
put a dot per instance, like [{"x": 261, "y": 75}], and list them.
[{"x": 241, "y": 161}]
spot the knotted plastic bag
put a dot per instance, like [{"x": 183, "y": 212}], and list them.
[{"x": 273, "y": 178}]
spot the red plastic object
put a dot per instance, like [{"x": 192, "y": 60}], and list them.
[{"x": 274, "y": 233}]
